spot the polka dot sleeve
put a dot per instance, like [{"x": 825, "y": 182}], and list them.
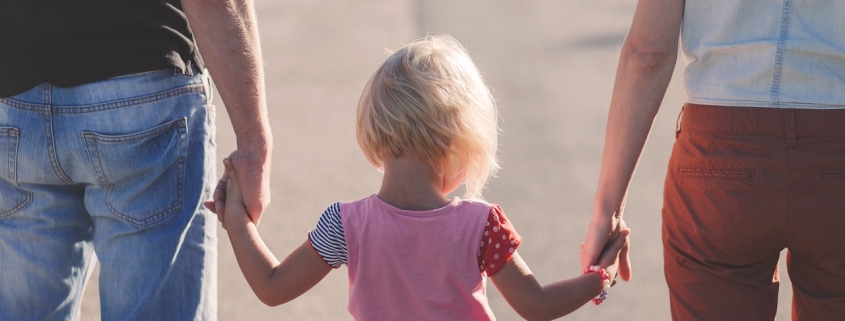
[{"x": 499, "y": 242}]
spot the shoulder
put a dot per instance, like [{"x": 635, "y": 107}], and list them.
[
  {"x": 363, "y": 205},
  {"x": 474, "y": 202},
  {"x": 482, "y": 207},
  {"x": 478, "y": 206}
]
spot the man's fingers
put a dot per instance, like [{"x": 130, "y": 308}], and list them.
[
  {"x": 219, "y": 195},
  {"x": 254, "y": 185},
  {"x": 210, "y": 206},
  {"x": 223, "y": 180},
  {"x": 230, "y": 169}
]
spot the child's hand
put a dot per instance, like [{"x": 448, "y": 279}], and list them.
[
  {"x": 217, "y": 205},
  {"x": 609, "y": 258},
  {"x": 234, "y": 208}
]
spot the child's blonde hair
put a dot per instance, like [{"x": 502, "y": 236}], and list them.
[{"x": 429, "y": 101}]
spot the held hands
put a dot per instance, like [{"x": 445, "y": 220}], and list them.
[
  {"x": 228, "y": 201},
  {"x": 611, "y": 255},
  {"x": 604, "y": 235},
  {"x": 255, "y": 183}
]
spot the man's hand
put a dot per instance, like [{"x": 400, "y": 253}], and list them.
[{"x": 254, "y": 181}]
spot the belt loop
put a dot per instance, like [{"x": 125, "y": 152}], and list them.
[
  {"x": 790, "y": 128},
  {"x": 189, "y": 71},
  {"x": 678, "y": 122}
]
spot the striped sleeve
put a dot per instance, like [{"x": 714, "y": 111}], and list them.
[{"x": 328, "y": 239}]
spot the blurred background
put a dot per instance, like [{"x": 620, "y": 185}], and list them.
[{"x": 551, "y": 66}]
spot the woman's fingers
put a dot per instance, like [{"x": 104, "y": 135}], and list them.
[
  {"x": 611, "y": 252},
  {"x": 625, "y": 262}
]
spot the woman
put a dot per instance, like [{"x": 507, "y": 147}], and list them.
[{"x": 759, "y": 160}]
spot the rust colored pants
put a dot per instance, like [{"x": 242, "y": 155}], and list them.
[{"x": 742, "y": 185}]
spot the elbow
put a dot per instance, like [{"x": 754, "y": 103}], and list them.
[
  {"x": 271, "y": 299},
  {"x": 534, "y": 316},
  {"x": 649, "y": 56},
  {"x": 267, "y": 299},
  {"x": 529, "y": 316},
  {"x": 271, "y": 303},
  {"x": 536, "y": 313}
]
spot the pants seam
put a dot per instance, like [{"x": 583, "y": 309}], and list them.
[{"x": 51, "y": 141}]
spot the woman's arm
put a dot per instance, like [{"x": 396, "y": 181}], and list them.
[
  {"x": 274, "y": 283},
  {"x": 645, "y": 67},
  {"x": 533, "y": 301}
]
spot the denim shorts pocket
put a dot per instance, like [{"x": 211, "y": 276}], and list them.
[
  {"x": 143, "y": 172},
  {"x": 12, "y": 197}
]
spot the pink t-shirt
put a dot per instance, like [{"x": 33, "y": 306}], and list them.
[{"x": 416, "y": 265}]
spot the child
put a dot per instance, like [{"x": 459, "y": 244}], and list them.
[{"x": 427, "y": 120}]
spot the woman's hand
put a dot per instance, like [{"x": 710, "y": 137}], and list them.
[
  {"x": 603, "y": 231},
  {"x": 614, "y": 258}
]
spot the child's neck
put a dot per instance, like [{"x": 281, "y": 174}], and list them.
[{"x": 413, "y": 185}]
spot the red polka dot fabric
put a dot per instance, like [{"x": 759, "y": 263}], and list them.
[{"x": 499, "y": 242}]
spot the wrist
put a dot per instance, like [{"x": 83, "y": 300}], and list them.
[
  {"x": 605, "y": 209},
  {"x": 255, "y": 151},
  {"x": 256, "y": 143},
  {"x": 604, "y": 277},
  {"x": 238, "y": 226}
]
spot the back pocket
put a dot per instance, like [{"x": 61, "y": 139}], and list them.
[
  {"x": 143, "y": 174},
  {"x": 832, "y": 174},
  {"x": 744, "y": 174},
  {"x": 12, "y": 197}
]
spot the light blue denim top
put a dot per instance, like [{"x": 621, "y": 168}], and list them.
[{"x": 765, "y": 53}]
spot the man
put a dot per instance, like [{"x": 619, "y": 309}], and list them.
[{"x": 106, "y": 150}]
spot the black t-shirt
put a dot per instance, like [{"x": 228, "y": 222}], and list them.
[{"x": 73, "y": 42}]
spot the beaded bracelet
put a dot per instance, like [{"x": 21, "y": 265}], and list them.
[{"x": 605, "y": 282}]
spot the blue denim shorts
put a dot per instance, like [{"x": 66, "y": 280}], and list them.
[{"x": 114, "y": 170}]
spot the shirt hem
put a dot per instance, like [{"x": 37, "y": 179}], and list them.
[{"x": 763, "y": 104}]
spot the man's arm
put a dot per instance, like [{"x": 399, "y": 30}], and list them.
[{"x": 227, "y": 35}]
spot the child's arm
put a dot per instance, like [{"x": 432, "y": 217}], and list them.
[
  {"x": 535, "y": 302},
  {"x": 272, "y": 282}
]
